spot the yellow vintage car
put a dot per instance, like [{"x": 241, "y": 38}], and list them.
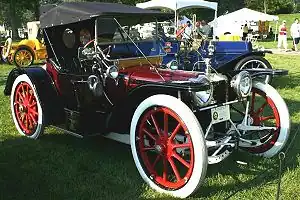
[{"x": 25, "y": 52}]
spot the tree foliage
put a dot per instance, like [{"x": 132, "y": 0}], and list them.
[{"x": 272, "y": 6}]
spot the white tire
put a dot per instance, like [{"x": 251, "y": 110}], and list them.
[
  {"x": 281, "y": 119},
  {"x": 6, "y": 48},
  {"x": 197, "y": 163},
  {"x": 26, "y": 108}
]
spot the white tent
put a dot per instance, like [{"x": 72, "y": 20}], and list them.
[
  {"x": 178, "y": 5},
  {"x": 232, "y": 22}
]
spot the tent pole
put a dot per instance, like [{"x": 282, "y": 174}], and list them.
[
  {"x": 176, "y": 23},
  {"x": 276, "y": 29},
  {"x": 214, "y": 26}
]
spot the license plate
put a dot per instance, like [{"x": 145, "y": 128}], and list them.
[{"x": 220, "y": 114}]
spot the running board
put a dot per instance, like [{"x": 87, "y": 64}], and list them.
[
  {"x": 68, "y": 132},
  {"x": 122, "y": 138}
]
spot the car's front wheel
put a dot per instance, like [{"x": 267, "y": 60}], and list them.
[
  {"x": 168, "y": 146},
  {"x": 26, "y": 108},
  {"x": 269, "y": 112}
]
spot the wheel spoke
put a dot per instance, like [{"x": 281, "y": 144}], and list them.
[
  {"x": 155, "y": 124},
  {"x": 181, "y": 160},
  {"x": 174, "y": 168},
  {"x": 261, "y": 109},
  {"x": 175, "y": 131},
  {"x": 184, "y": 145},
  {"x": 165, "y": 170},
  {"x": 27, "y": 121},
  {"x": 33, "y": 112},
  {"x": 33, "y": 119},
  {"x": 166, "y": 124},
  {"x": 148, "y": 148},
  {"x": 149, "y": 134},
  {"x": 156, "y": 160},
  {"x": 266, "y": 118},
  {"x": 33, "y": 104}
]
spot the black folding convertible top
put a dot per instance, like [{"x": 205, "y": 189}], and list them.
[{"x": 71, "y": 12}]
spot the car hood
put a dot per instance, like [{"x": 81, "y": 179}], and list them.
[{"x": 149, "y": 74}]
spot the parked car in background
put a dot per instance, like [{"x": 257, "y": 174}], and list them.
[
  {"x": 176, "y": 122},
  {"x": 25, "y": 52},
  {"x": 229, "y": 55}
]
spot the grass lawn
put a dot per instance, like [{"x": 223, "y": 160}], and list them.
[{"x": 59, "y": 166}]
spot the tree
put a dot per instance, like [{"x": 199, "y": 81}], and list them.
[{"x": 271, "y": 6}]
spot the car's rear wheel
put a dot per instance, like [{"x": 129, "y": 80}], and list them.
[
  {"x": 267, "y": 109},
  {"x": 23, "y": 57},
  {"x": 255, "y": 62},
  {"x": 26, "y": 108},
  {"x": 168, "y": 146}
]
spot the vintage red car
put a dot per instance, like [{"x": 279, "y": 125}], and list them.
[{"x": 98, "y": 79}]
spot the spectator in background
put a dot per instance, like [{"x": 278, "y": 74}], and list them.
[
  {"x": 205, "y": 28},
  {"x": 245, "y": 31},
  {"x": 295, "y": 33},
  {"x": 282, "y": 36},
  {"x": 187, "y": 34}
]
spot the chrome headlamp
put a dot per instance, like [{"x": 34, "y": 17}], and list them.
[
  {"x": 242, "y": 84},
  {"x": 204, "y": 98},
  {"x": 112, "y": 71}
]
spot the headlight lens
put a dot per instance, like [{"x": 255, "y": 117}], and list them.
[
  {"x": 204, "y": 98},
  {"x": 242, "y": 84}
]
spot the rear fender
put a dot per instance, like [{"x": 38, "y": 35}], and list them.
[
  {"x": 45, "y": 88},
  {"x": 231, "y": 64}
]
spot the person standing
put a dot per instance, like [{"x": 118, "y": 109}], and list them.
[
  {"x": 282, "y": 36},
  {"x": 245, "y": 31},
  {"x": 187, "y": 34},
  {"x": 295, "y": 33}
]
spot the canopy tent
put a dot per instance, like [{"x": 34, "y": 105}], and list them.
[
  {"x": 178, "y": 5},
  {"x": 232, "y": 22}
]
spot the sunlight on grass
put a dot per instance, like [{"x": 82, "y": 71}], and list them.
[{"x": 59, "y": 166}]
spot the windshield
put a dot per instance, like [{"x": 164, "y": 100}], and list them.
[{"x": 110, "y": 32}]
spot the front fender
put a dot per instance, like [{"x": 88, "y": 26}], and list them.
[{"x": 45, "y": 88}]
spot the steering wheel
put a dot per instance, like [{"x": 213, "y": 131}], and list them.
[{"x": 105, "y": 51}]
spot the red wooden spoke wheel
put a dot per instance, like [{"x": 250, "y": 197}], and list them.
[
  {"x": 265, "y": 113},
  {"x": 26, "y": 108},
  {"x": 168, "y": 146},
  {"x": 268, "y": 111},
  {"x": 160, "y": 134}
]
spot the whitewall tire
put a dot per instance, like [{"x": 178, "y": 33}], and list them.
[
  {"x": 165, "y": 129},
  {"x": 26, "y": 108},
  {"x": 277, "y": 116}
]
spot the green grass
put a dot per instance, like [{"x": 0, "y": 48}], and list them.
[{"x": 59, "y": 166}]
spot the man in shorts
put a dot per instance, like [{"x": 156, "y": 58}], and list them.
[{"x": 295, "y": 33}]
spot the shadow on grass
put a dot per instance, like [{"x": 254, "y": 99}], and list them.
[{"x": 59, "y": 166}]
